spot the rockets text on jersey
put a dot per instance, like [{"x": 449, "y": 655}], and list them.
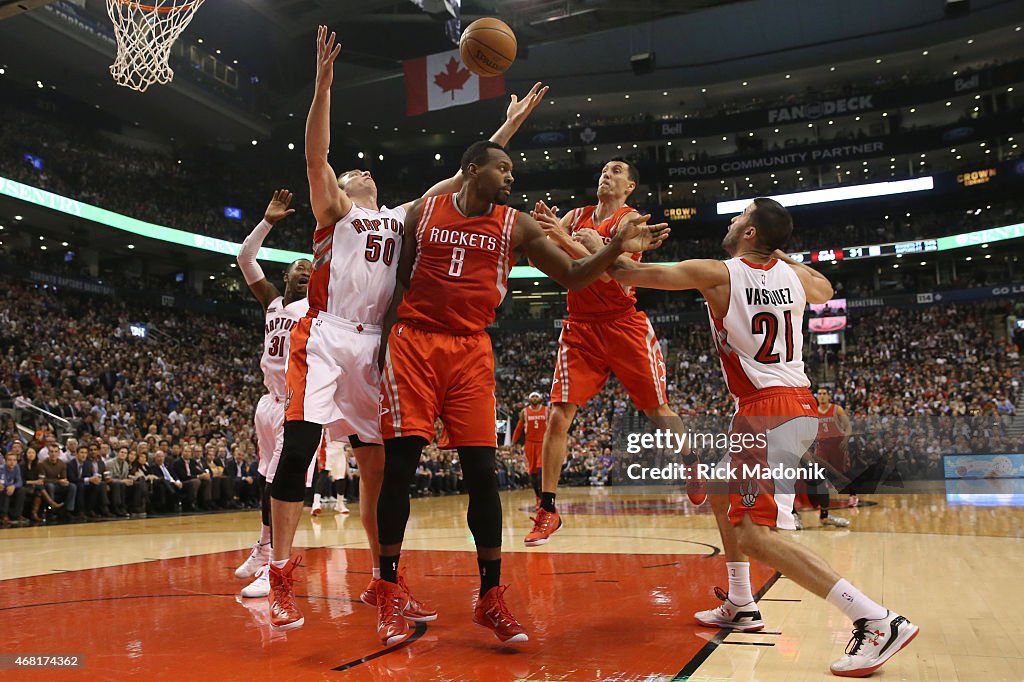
[
  {"x": 460, "y": 275},
  {"x": 600, "y": 300},
  {"x": 276, "y": 342},
  {"x": 760, "y": 341},
  {"x": 536, "y": 423},
  {"x": 828, "y": 423},
  {"x": 355, "y": 262}
]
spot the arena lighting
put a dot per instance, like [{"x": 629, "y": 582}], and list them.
[
  {"x": 821, "y": 196},
  {"x": 117, "y": 221}
]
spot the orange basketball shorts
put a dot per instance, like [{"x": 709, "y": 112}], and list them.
[
  {"x": 533, "y": 455},
  {"x": 430, "y": 375},
  {"x": 589, "y": 351},
  {"x": 772, "y": 427}
]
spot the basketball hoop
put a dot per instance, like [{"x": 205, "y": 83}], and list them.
[{"x": 145, "y": 34}]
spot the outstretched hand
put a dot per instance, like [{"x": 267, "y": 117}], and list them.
[
  {"x": 326, "y": 52},
  {"x": 547, "y": 217},
  {"x": 519, "y": 109},
  {"x": 278, "y": 206},
  {"x": 636, "y": 235}
]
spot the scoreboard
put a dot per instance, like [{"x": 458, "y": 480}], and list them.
[{"x": 873, "y": 251}]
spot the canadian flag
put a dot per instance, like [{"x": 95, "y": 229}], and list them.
[{"x": 441, "y": 80}]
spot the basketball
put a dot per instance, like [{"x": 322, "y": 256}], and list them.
[{"x": 488, "y": 47}]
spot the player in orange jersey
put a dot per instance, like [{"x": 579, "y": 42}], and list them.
[
  {"x": 533, "y": 421},
  {"x": 834, "y": 432},
  {"x": 438, "y": 361},
  {"x": 605, "y": 333},
  {"x": 756, "y": 302},
  {"x": 333, "y": 381}
]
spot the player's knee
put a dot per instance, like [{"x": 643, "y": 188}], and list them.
[
  {"x": 301, "y": 440},
  {"x": 560, "y": 419}
]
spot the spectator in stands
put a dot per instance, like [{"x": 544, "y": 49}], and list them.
[
  {"x": 166, "y": 488},
  {"x": 194, "y": 478},
  {"x": 126, "y": 490},
  {"x": 12, "y": 493},
  {"x": 33, "y": 479},
  {"x": 58, "y": 492}
]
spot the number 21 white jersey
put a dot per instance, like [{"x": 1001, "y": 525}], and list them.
[
  {"x": 276, "y": 343},
  {"x": 760, "y": 341}
]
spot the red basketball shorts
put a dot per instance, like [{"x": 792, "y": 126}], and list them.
[
  {"x": 534, "y": 460},
  {"x": 589, "y": 351},
  {"x": 430, "y": 375},
  {"x": 773, "y": 427}
]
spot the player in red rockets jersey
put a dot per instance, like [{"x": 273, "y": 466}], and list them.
[
  {"x": 438, "y": 361},
  {"x": 333, "y": 382},
  {"x": 533, "y": 421},
  {"x": 604, "y": 334},
  {"x": 834, "y": 432},
  {"x": 756, "y": 301}
]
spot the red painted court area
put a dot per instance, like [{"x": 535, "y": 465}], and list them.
[{"x": 589, "y": 616}]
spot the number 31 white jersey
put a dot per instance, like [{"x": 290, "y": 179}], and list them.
[
  {"x": 276, "y": 344},
  {"x": 355, "y": 262},
  {"x": 760, "y": 341}
]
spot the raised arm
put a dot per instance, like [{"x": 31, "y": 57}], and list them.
[
  {"x": 263, "y": 290},
  {"x": 817, "y": 288},
  {"x": 577, "y": 274},
  {"x": 328, "y": 200},
  {"x": 517, "y": 112}
]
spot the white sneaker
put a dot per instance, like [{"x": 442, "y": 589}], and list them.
[
  {"x": 742, "y": 617},
  {"x": 796, "y": 521},
  {"x": 317, "y": 506},
  {"x": 873, "y": 643},
  {"x": 259, "y": 556},
  {"x": 341, "y": 507},
  {"x": 837, "y": 521},
  {"x": 259, "y": 587}
]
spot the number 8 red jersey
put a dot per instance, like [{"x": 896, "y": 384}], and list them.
[
  {"x": 460, "y": 275},
  {"x": 760, "y": 341}
]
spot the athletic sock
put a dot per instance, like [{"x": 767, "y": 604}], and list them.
[
  {"x": 376, "y": 574},
  {"x": 547, "y": 502},
  {"x": 389, "y": 568},
  {"x": 739, "y": 582},
  {"x": 279, "y": 564},
  {"x": 854, "y": 603},
  {"x": 265, "y": 535},
  {"x": 490, "y": 574}
]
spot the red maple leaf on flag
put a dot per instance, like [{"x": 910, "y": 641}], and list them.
[{"x": 452, "y": 78}]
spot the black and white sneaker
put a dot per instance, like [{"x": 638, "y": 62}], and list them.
[
  {"x": 873, "y": 643},
  {"x": 738, "y": 617}
]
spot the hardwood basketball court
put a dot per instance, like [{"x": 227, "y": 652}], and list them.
[{"x": 610, "y": 597}]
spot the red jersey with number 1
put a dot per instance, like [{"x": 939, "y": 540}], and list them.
[
  {"x": 460, "y": 275},
  {"x": 600, "y": 300}
]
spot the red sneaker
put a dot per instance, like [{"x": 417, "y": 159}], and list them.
[
  {"x": 544, "y": 526},
  {"x": 392, "y": 627},
  {"x": 415, "y": 610},
  {"x": 369, "y": 595},
  {"x": 491, "y": 612},
  {"x": 284, "y": 615}
]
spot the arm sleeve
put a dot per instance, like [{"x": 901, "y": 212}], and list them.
[{"x": 251, "y": 270}]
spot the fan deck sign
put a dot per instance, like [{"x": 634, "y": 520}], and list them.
[{"x": 441, "y": 80}]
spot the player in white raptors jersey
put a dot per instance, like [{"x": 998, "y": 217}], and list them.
[
  {"x": 282, "y": 313},
  {"x": 756, "y": 301},
  {"x": 333, "y": 377}
]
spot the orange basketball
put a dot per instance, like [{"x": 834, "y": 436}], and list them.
[{"x": 488, "y": 47}]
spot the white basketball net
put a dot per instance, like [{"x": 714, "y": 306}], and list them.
[{"x": 145, "y": 34}]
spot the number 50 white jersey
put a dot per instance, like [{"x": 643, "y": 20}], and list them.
[
  {"x": 277, "y": 342},
  {"x": 760, "y": 341},
  {"x": 355, "y": 262}
]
